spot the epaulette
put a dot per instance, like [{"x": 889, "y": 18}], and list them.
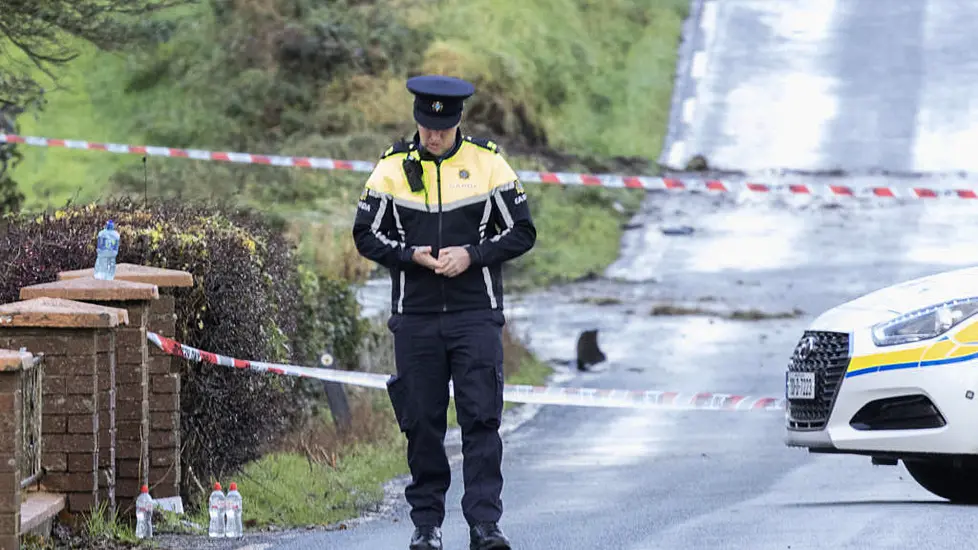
[
  {"x": 399, "y": 146},
  {"x": 487, "y": 144}
]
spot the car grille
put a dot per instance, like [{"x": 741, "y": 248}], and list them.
[{"x": 828, "y": 358}]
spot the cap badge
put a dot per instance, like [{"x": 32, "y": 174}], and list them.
[{"x": 437, "y": 106}]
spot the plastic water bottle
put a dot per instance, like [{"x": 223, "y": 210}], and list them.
[
  {"x": 217, "y": 503},
  {"x": 107, "y": 249},
  {"x": 144, "y": 514},
  {"x": 234, "y": 526}
]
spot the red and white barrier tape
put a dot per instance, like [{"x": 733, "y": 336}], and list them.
[
  {"x": 560, "y": 178},
  {"x": 543, "y": 395}
]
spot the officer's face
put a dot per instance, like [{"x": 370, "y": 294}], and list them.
[{"x": 437, "y": 142}]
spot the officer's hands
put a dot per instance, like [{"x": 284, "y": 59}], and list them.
[
  {"x": 422, "y": 255},
  {"x": 454, "y": 260},
  {"x": 451, "y": 261}
]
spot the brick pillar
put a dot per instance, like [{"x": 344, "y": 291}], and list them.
[
  {"x": 128, "y": 409},
  {"x": 164, "y": 377},
  {"x": 70, "y": 335},
  {"x": 11, "y": 407},
  {"x": 165, "y": 440}
]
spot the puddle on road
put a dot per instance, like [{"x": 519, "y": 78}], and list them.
[
  {"x": 626, "y": 439},
  {"x": 743, "y": 240}
]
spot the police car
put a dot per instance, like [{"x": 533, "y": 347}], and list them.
[{"x": 893, "y": 375}]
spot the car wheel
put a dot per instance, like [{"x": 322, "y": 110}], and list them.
[{"x": 954, "y": 481}]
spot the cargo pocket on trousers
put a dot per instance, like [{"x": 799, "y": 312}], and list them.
[
  {"x": 490, "y": 373},
  {"x": 398, "y": 393},
  {"x": 489, "y": 405}
]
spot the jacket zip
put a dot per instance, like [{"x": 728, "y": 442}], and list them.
[{"x": 444, "y": 299}]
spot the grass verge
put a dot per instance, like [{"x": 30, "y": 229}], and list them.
[
  {"x": 97, "y": 529},
  {"x": 319, "y": 477}
]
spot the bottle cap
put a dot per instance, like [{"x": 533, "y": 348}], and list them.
[
  {"x": 144, "y": 489},
  {"x": 234, "y": 486},
  {"x": 110, "y": 225},
  {"x": 217, "y": 486}
]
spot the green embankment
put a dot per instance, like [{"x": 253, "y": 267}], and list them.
[
  {"x": 601, "y": 70},
  {"x": 565, "y": 85},
  {"x": 575, "y": 85}
]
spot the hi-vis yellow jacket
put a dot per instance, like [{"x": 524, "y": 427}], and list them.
[{"x": 470, "y": 197}]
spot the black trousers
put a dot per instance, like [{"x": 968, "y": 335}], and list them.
[{"x": 430, "y": 349}]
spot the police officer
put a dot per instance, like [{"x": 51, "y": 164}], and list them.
[{"x": 442, "y": 212}]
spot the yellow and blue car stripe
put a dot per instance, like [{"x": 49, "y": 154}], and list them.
[{"x": 943, "y": 351}]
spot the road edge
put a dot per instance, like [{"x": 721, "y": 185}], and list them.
[{"x": 690, "y": 64}]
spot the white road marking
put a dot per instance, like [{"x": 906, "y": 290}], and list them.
[
  {"x": 698, "y": 69},
  {"x": 677, "y": 153},
  {"x": 708, "y": 21},
  {"x": 689, "y": 109}
]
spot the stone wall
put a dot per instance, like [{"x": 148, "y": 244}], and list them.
[
  {"x": 110, "y": 401},
  {"x": 132, "y": 405},
  {"x": 164, "y": 408},
  {"x": 124, "y": 460},
  {"x": 70, "y": 335}
]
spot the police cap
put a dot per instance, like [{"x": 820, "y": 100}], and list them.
[{"x": 438, "y": 100}]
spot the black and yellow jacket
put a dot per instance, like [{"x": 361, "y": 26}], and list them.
[{"x": 470, "y": 197}]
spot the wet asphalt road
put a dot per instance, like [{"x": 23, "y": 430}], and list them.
[
  {"x": 849, "y": 85},
  {"x": 833, "y": 84},
  {"x": 592, "y": 478}
]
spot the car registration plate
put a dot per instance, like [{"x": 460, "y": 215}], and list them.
[{"x": 801, "y": 385}]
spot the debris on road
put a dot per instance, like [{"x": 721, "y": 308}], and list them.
[
  {"x": 751, "y": 314},
  {"x": 677, "y": 230},
  {"x": 601, "y": 301},
  {"x": 588, "y": 352}
]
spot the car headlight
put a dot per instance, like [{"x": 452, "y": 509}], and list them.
[{"x": 924, "y": 323}]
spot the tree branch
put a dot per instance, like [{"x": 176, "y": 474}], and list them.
[{"x": 39, "y": 29}]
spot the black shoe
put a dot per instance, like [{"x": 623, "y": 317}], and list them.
[
  {"x": 487, "y": 536},
  {"x": 426, "y": 538}
]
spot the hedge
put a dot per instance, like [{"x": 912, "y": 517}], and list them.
[{"x": 251, "y": 300}]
